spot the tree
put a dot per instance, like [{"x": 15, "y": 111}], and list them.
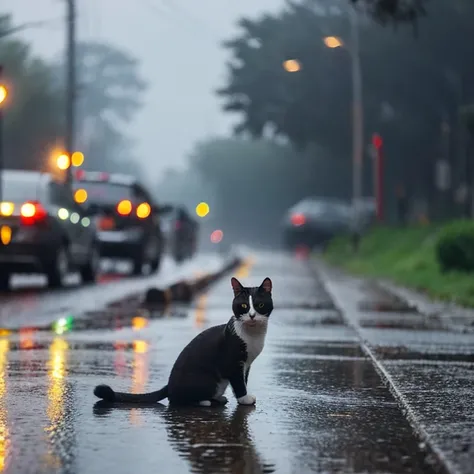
[
  {"x": 110, "y": 94},
  {"x": 33, "y": 114},
  {"x": 249, "y": 185},
  {"x": 411, "y": 85}
]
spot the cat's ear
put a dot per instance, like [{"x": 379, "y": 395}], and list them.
[
  {"x": 267, "y": 285},
  {"x": 236, "y": 285}
]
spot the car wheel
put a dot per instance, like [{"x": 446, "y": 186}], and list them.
[
  {"x": 57, "y": 271},
  {"x": 4, "y": 280},
  {"x": 90, "y": 270}
]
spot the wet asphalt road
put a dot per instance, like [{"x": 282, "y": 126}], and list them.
[
  {"x": 321, "y": 405},
  {"x": 31, "y": 303}
]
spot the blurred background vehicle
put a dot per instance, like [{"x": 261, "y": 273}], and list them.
[
  {"x": 183, "y": 235},
  {"x": 43, "y": 230},
  {"x": 313, "y": 221},
  {"x": 127, "y": 219}
]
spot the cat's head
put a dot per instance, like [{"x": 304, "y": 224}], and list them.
[{"x": 252, "y": 305}]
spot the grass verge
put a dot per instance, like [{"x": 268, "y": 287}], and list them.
[{"x": 407, "y": 257}]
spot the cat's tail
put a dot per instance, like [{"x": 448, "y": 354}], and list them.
[{"x": 106, "y": 393}]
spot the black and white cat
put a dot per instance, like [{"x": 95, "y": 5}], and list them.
[{"x": 219, "y": 356}]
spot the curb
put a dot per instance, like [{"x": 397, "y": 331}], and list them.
[{"x": 434, "y": 309}]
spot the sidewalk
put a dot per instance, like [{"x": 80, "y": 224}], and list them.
[{"x": 428, "y": 364}]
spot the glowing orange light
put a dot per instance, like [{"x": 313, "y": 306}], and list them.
[
  {"x": 3, "y": 94},
  {"x": 292, "y": 65},
  {"x": 217, "y": 236},
  {"x": 143, "y": 210},
  {"x": 63, "y": 162},
  {"x": 77, "y": 159},
  {"x": 139, "y": 322},
  {"x": 140, "y": 346},
  {"x": 80, "y": 196},
  {"x": 124, "y": 208},
  {"x": 333, "y": 42}
]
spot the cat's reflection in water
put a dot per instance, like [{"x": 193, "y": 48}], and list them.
[
  {"x": 213, "y": 441},
  {"x": 210, "y": 439}
]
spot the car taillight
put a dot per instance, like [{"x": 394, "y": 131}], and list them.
[
  {"x": 143, "y": 210},
  {"x": 80, "y": 174},
  {"x": 32, "y": 212},
  {"x": 124, "y": 208},
  {"x": 298, "y": 220}
]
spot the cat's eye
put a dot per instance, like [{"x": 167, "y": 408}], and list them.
[
  {"x": 261, "y": 305},
  {"x": 244, "y": 306}
]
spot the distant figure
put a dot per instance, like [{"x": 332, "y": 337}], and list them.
[{"x": 402, "y": 204}]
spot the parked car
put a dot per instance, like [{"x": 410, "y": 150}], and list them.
[
  {"x": 127, "y": 219},
  {"x": 314, "y": 221},
  {"x": 184, "y": 235},
  {"x": 43, "y": 230}
]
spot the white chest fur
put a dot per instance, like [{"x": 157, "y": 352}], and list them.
[{"x": 254, "y": 341}]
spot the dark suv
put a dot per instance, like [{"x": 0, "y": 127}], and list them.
[
  {"x": 42, "y": 230},
  {"x": 127, "y": 219}
]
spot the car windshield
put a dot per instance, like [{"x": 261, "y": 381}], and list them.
[
  {"x": 104, "y": 193},
  {"x": 18, "y": 188},
  {"x": 320, "y": 208}
]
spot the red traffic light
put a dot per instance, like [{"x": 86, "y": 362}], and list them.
[{"x": 377, "y": 141}]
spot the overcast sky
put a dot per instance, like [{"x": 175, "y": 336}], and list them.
[{"x": 177, "y": 42}]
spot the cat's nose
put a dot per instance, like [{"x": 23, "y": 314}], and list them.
[{"x": 252, "y": 315}]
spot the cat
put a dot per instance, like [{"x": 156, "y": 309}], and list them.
[{"x": 216, "y": 358}]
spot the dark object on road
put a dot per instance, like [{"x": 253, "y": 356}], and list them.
[
  {"x": 181, "y": 292},
  {"x": 184, "y": 235},
  {"x": 216, "y": 357},
  {"x": 314, "y": 221},
  {"x": 156, "y": 297},
  {"x": 43, "y": 230},
  {"x": 128, "y": 220}
]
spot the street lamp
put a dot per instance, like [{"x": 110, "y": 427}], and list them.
[
  {"x": 333, "y": 42},
  {"x": 292, "y": 65},
  {"x": 357, "y": 109}
]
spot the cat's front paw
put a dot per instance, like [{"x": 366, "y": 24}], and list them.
[{"x": 247, "y": 400}]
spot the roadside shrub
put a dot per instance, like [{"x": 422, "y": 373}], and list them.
[{"x": 455, "y": 246}]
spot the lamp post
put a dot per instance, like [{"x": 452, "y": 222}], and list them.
[
  {"x": 357, "y": 108},
  {"x": 3, "y": 98}
]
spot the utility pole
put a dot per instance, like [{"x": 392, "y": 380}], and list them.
[
  {"x": 357, "y": 115},
  {"x": 70, "y": 83}
]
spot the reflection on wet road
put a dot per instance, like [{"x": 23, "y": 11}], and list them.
[
  {"x": 33, "y": 304},
  {"x": 321, "y": 406}
]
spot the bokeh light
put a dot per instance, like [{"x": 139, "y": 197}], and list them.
[
  {"x": 77, "y": 159},
  {"x": 63, "y": 162},
  {"x": 80, "y": 196},
  {"x": 217, "y": 236},
  {"x": 202, "y": 209}
]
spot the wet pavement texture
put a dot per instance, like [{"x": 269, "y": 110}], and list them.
[
  {"x": 429, "y": 363},
  {"x": 321, "y": 405}
]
